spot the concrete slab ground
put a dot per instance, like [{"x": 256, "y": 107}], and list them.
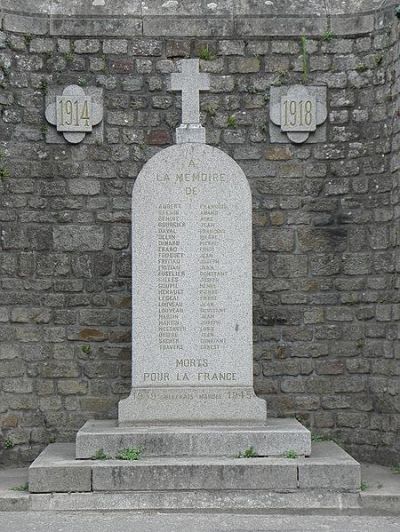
[
  {"x": 382, "y": 488},
  {"x": 12, "y": 499},
  {"x": 184, "y": 522}
]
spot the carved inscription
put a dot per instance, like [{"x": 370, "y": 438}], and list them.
[
  {"x": 160, "y": 395},
  {"x": 171, "y": 282},
  {"x": 212, "y": 236},
  {"x": 172, "y": 240},
  {"x": 170, "y": 276},
  {"x": 74, "y": 113},
  {"x": 298, "y": 114}
]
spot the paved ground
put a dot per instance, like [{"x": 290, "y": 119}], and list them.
[
  {"x": 142, "y": 522},
  {"x": 380, "y": 480},
  {"x": 12, "y": 477}
]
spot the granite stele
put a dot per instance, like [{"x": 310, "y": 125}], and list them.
[
  {"x": 192, "y": 356},
  {"x": 192, "y": 291},
  {"x": 192, "y": 412}
]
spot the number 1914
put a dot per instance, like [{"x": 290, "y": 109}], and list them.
[{"x": 74, "y": 114}]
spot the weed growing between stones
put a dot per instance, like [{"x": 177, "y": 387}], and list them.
[
  {"x": 248, "y": 453},
  {"x": 100, "y": 455},
  {"x": 291, "y": 454},
  {"x": 131, "y": 453},
  {"x": 86, "y": 349},
  {"x": 69, "y": 57},
  {"x": 22, "y": 487},
  {"x": 362, "y": 67},
  {"x": 206, "y": 54},
  {"x": 396, "y": 469},
  {"x": 43, "y": 87},
  {"x": 232, "y": 122},
  {"x": 327, "y": 36}
]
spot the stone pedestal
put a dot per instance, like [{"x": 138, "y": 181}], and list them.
[
  {"x": 274, "y": 438},
  {"x": 329, "y": 479}
]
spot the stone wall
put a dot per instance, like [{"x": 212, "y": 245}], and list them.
[{"x": 326, "y": 216}]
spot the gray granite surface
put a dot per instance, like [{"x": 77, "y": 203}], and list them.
[{"x": 192, "y": 291}]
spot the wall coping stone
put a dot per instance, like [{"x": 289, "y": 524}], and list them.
[{"x": 196, "y": 18}]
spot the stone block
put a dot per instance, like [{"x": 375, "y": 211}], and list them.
[
  {"x": 231, "y": 47},
  {"x": 92, "y": 27},
  {"x": 232, "y": 500},
  {"x": 352, "y": 25},
  {"x": 115, "y": 46},
  {"x": 273, "y": 26},
  {"x": 245, "y": 65},
  {"x": 4, "y": 316},
  {"x": 170, "y": 26},
  {"x": 119, "y": 237},
  {"x": 274, "y": 439},
  {"x": 277, "y": 240},
  {"x": 143, "y": 66},
  {"x": 98, "y": 317},
  {"x": 42, "y": 45},
  {"x": 12, "y": 368},
  {"x": 195, "y": 474},
  {"x": 56, "y": 470},
  {"x": 146, "y": 47},
  {"x": 11, "y": 501},
  {"x": 299, "y": 132},
  {"x": 78, "y": 238},
  {"x": 84, "y": 187},
  {"x": 356, "y": 263},
  {"x": 330, "y": 468},
  {"x": 25, "y": 24},
  {"x": 289, "y": 265},
  {"x": 86, "y": 46},
  {"x": 178, "y": 48}
]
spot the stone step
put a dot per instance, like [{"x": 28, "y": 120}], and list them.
[
  {"x": 330, "y": 468},
  {"x": 56, "y": 470},
  {"x": 302, "y": 501},
  {"x": 274, "y": 439}
]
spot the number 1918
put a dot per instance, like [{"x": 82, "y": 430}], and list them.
[{"x": 297, "y": 113}]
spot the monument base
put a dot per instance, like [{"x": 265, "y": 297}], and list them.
[
  {"x": 186, "y": 483},
  {"x": 275, "y": 438},
  {"x": 188, "y": 405},
  {"x": 190, "y": 133}
]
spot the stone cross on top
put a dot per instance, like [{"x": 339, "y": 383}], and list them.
[{"x": 190, "y": 81}]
